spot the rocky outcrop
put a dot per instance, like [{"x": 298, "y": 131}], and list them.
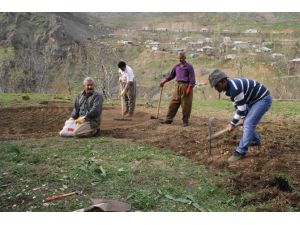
[{"x": 42, "y": 44}]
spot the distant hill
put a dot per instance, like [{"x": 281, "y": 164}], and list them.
[
  {"x": 226, "y": 19},
  {"x": 52, "y": 52},
  {"x": 39, "y": 50}
]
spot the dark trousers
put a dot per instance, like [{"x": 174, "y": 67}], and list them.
[{"x": 180, "y": 98}]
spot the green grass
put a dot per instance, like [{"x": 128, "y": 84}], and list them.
[
  {"x": 288, "y": 109},
  {"x": 7, "y": 53},
  {"x": 148, "y": 178},
  {"x": 278, "y": 108},
  {"x": 10, "y": 99},
  {"x": 213, "y": 105}
]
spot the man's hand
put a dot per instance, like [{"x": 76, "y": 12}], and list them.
[
  {"x": 241, "y": 121},
  {"x": 230, "y": 127},
  {"x": 122, "y": 93},
  {"x": 80, "y": 120},
  {"x": 189, "y": 90},
  {"x": 162, "y": 82}
]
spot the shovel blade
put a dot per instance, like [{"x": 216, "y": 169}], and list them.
[{"x": 107, "y": 205}]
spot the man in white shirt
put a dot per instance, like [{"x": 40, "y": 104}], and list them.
[{"x": 127, "y": 80}]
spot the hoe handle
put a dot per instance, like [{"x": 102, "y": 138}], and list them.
[{"x": 219, "y": 133}]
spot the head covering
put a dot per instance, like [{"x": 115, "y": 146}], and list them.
[{"x": 215, "y": 76}]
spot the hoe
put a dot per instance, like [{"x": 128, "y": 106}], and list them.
[{"x": 217, "y": 134}]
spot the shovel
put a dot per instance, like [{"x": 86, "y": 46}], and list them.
[
  {"x": 106, "y": 205},
  {"x": 153, "y": 117},
  {"x": 122, "y": 109},
  {"x": 57, "y": 197}
]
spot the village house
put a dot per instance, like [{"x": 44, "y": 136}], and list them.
[
  {"x": 161, "y": 29},
  {"x": 125, "y": 42},
  {"x": 251, "y": 31},
  {"x": 277, "y": 55},
  {"x": 204, "y": 30}
]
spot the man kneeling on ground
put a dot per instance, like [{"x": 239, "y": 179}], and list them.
[{"x": 87, "y": 110}]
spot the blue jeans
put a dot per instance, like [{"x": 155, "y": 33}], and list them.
[{"x": 255, "y": 113}]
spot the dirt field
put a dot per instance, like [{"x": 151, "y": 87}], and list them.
[{"x": 279, "y": 153}]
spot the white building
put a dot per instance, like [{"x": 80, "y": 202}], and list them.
[
  {"x": 251, "y": 31},
  {"x": 204, "y": 30}
]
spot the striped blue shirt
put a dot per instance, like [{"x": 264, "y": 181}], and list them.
[{"x": 244, "y": 93}]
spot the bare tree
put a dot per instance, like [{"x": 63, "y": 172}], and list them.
[{"x": 101, "y": 62}]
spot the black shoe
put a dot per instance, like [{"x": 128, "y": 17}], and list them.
[
  {"x": 185, "y": 124},
  {"x": 236, "y": 156},
  {"x": 255, "y": 144},
  {"x": 166, "y": 121},
  {"x": 97, "y": 134}
]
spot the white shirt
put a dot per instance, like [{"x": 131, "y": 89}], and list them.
[{"x": 127, "y": 75}]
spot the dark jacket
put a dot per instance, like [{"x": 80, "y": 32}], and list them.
[{"x": 89, "y": 106}]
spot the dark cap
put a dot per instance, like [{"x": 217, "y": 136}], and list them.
[{"x": 216, "y": 76}]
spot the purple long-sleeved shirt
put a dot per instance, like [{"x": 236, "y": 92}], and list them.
[{"x": 183, "y": 74}]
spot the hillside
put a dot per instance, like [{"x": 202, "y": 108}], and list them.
[
  {"x": 234, "y": 21},
  {"x": 62, "y": 48},
  {"x": 40, "y": 50}
]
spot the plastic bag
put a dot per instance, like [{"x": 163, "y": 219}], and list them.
[{"x": 69, "y": 128}]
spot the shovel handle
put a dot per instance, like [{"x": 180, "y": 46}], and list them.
[
  {"x": 161, "y": 89},
  {"x": 56, "y": 197},
  {"x": 122, "y": 103}
]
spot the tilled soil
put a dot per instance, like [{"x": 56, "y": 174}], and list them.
[{"x": 257, "y": 173}]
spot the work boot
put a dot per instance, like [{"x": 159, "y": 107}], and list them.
[
  {"x": 236, "y": 156},
  {"x": 97, "y": 134},
  {"x": 255, "y": 143},
  {"x": 166, "y": 121}
]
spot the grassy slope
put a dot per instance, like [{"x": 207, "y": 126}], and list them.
[
  {"x": 150, "y": 179},
  {"x": 233, "y": 20},
  {"x": 279, "y": 108},
  {"x": 10, "y": 99}
]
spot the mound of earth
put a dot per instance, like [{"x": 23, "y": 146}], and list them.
[{"x": 259, "y": 173}]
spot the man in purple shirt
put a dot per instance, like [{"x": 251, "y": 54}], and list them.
[{"x": 183, "y": 93}]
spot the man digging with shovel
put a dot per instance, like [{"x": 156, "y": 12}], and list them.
[
  {"x": 128, "y": 84},
  {"x": 251, "y": 99}
]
